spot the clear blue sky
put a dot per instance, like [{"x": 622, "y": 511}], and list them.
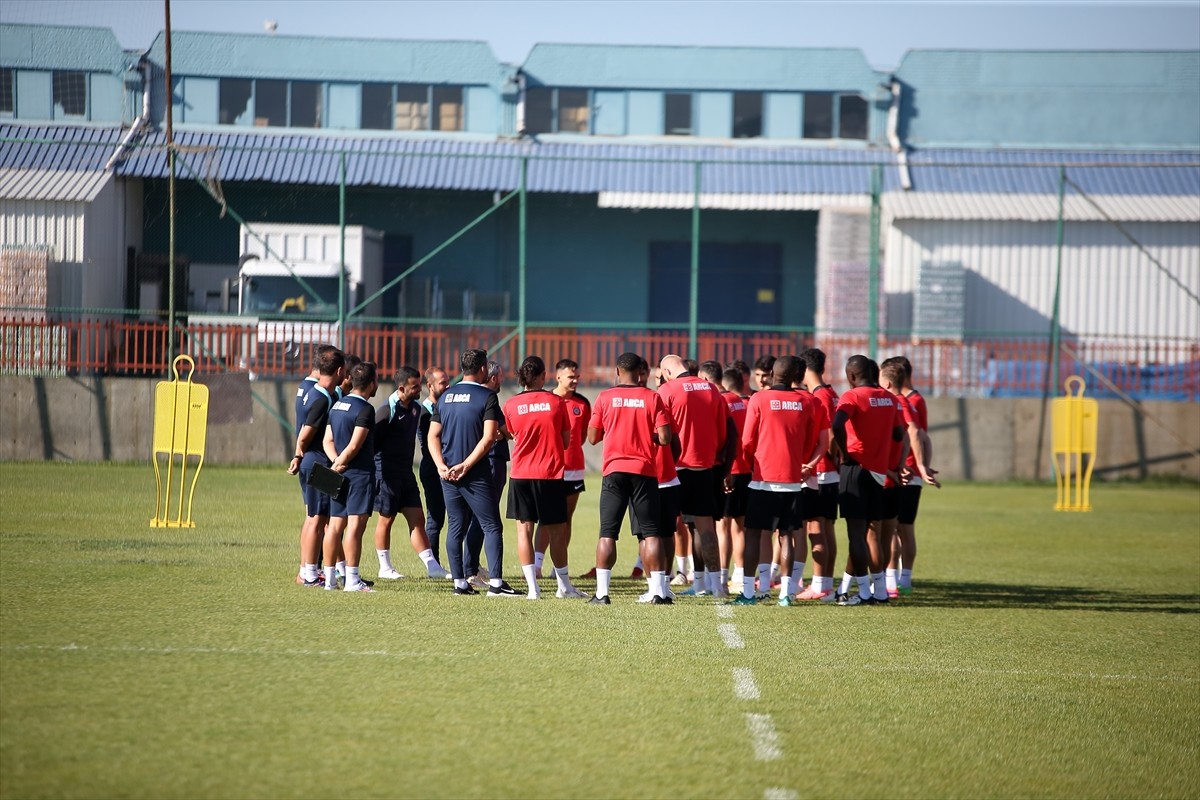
[{"x": 884, "y": 31}]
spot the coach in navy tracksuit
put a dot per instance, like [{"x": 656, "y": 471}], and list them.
[{"x": 462, "y": 430}]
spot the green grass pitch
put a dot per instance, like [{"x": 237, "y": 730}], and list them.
[{"x": 1043, "y": 655}]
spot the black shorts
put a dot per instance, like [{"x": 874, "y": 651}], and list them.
[
  {"x": 859, "y": 494},
  {"x": 735, "y": 501},
  {"x": 668, "y": 510},
  {"x": 394, "y": 492},
  {"x": 696, "y": 498},
  {"x": 910, "y": 498},
  {"x": 770, "y": 511},
  {"x": 574, "y": 487},
  {"x": 357, "y": 496},
  {"x": 534, "y": 500},
  {"x": 621, "y": 489},
  {"x": 316, "y": 504},
  {"x": 891, "y": 502}
]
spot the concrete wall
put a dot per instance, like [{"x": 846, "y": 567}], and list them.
[{"x": 90, "y": 419}]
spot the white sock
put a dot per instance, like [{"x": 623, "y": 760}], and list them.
[
  {"x": 494, "y": 582},
  {"x": 658, "y": 581},
  {"x": 711, "y": 580},
  {"x": 564, "y": 580},
  {"x": 906, "y": 578},
  {"x": 681, "y": 564},
  {"x": 764, "y": 578},
  {"x": 531, "y": 579},
  {"x": 890, "y": 577},
  {"x": 460, "y": 583},
  {"x": 880, "y": 587},
  {"x": 341, "y": 567},
  {"x": 738, "y": 576},
  {"x": 426, "y": 557},
  {"x": 331, "y": 576},
  {"x": 385, "y": 559},
  {"x": 864, "y": 585},
  {"x": 747, "y": 586},
  {"x": 845, "y": 588},
  {"x": 603, "y": 577},
  {"x": 826, "y": 584},
  {"x": 723, "y": 578},
  {"x": 308, "y": 572},
  {"x": 352, "y": 578},
  {"x": 785, "y": 586},
  {"x": 798, "y": 575},
  {"x": 538, "y": 558},
  {"x": 691, "y": 567},
  {"x": 774, "y": 571}
]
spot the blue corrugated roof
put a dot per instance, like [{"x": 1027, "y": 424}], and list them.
[{"x": 472, "y": 165}]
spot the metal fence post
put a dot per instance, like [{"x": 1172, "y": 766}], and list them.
[
  {"x": 522, "y": 206},
  {"x": 694, "y": 283}
]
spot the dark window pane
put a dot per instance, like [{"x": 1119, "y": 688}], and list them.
[
  {"x": 70, "y": 93},
  {"x": 747, "y": 115},
  {"x": 306, "y": 104},
  {"x": 677, "y": 114},
  {"x": 852, "y": 117},
  {"x": 412, "y": 107},
  {"x": 234, "y": 96},
  {"x": 6, "y": 91},
  {"x": 270, "y": 103},
  {"x": 818, "y": 116},
  {"x": 539, "y": 113},
  {"x": 447, "y": 108},
  {"x": 376, "y": 106},
  {"x": 573, "y": 111}
]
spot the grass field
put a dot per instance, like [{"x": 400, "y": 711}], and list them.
[{"x": 1043, "y": 655}]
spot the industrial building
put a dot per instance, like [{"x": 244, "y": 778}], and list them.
[{"x": 973, "y": 196}]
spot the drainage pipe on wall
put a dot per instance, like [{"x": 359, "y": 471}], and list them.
[
  {"x": 138, "y": 123},
  {"x": 893, "y": 134}
]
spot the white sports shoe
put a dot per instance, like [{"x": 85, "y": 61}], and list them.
[
  {"x": 572, "y": 592},
  {"x": 390, "y": 574},
  {"x": 645, "y": 598},
  {"x": 436, "y": 570}
]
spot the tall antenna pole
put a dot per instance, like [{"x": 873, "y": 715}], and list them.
[{"x": 170, "y": 102}]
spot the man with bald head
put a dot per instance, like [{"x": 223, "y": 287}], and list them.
[{"x": 701, "y": 418}]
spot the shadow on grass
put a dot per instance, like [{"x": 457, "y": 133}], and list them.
[{"x": 1055, "y": 598}]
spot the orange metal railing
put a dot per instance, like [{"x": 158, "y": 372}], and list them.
[{"x": 979, "y": 366}]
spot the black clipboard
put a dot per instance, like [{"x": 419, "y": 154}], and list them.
[{"x": 326, "y": 481}]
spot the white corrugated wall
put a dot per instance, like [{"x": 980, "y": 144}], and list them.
[
  {"x": 1109, "y": 288},
  {"x": 54, "y": 224}
]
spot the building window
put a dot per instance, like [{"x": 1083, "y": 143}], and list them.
[
  {"x": 747, "y": 115},
  {"x": 573, "y": 111},
  {"x": 233, "y": 100},
  {"x": 306, "y": 104},
  {"x": 539, "y": 110},
  {"x": 270, "y": 103},
  {"x": 818, "y": 115},
  {"x": 677, "y": 114},
  {"x": 447, "y": 108},
  {"x": 376, "y": 107},
  {"x": 7, "y": 95},
  {"x": 852, "y": 117},
  {"x": 412, "y": 107},
  {"x": 70, "y": 93}
]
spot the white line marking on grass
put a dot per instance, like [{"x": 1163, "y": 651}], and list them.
[
  {"x": 733, "y": 639},
  {"x": 725, "y": 612},
  {"x": 232, "y": 651},
  {"x": 1018, "y": 673},
  {"x": 744, "y": 687},
  {"x": 781, "y": 794},
  {"x": 765, "y": 738}
]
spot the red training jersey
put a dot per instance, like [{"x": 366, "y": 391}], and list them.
[
  {"x": 780, "y": 434},
  {"x": 537, "y": 420},
  {"x": 920, "y": 416},
  {"x": 579, "y": 413},
  {"x": 906, "y": 416},
  {"x": 828, "y": 398},
  {"x": 737, "y": 410},
  {"x": 628, "y": 418},
  {"x": 700, "y": 414},
  {"x": 665, "y": 461},
  {"x": 873, "y": 413}
]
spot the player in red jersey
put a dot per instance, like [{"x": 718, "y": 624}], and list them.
[
  {"x": 916, "y": 473},
  {"x": 632, "y": 422},
  {"x": 701, "y": 422},
  {"x": 865, "y": 424},
  {"x": 737, "y": 483},
  {"x": 579, "y": 412},
  {"x": 820, "y": 505},
  {"x": 783, "y": 441},
  {"x": 538, "y": 422},
  {"x": 808, "y": 504}
]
